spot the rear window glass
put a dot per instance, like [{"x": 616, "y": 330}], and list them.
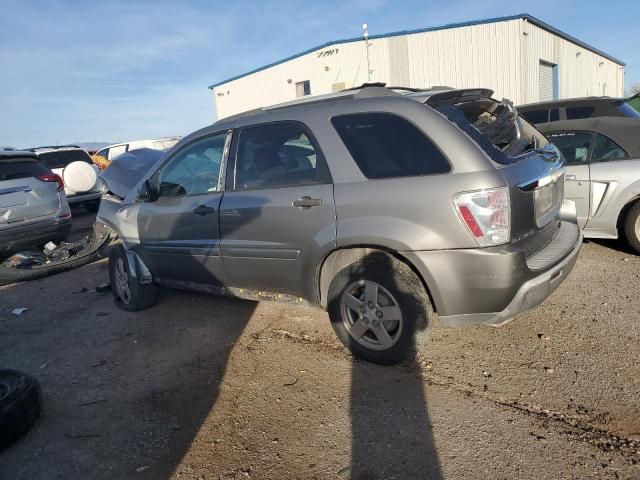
[
  {"x": 628, "y": 111},
  {"x": 62, "y": 158},
  {"x": 21, "y": 168},
  {"x": 575, "y": 113},
  {"x": 384, "y": 145},
  {"x": 536, "y": 116}
]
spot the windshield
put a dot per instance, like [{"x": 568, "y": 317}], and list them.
[{"x": 62, "y": 158}]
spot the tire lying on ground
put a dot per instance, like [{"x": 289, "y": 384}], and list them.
[{"x": 20, "y": 404}]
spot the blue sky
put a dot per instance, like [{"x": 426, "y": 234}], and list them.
[{"x": 119, "y": 70}]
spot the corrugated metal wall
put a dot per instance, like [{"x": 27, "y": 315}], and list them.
[
  {"x": 581, "y": 72},
  {"x": 504, "y": 56}
]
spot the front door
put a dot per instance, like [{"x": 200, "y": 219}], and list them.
[
  {"x": 278, "y": 212},
  {"x": 576, "y": 148},
  {"x": 179, "y": 232}
]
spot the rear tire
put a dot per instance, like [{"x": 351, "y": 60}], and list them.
[
  {"x": 632, "y": 227},
  {"x": 20, "y": 405},
  {"x": 379, "y": 309},
  {"x": 129, "y": 294},
  {"x": 92, "y": 206}
]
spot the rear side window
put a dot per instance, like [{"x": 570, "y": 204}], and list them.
[
  {"x": 62, "y": 158},
  {"x": 536, "y": 116},
  {"x": 384, "y": 145},
  {"x": 573, "y": 145},
  {"x": 21, "y": 168},
  {"x": 575, "y": 113},
  {"x": 554, "y": 115},
  {"x": 606, "y": 150}
]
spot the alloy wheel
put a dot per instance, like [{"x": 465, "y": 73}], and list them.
[{"x": 371, "y": 315}]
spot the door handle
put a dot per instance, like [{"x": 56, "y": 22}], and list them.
[
  {"x": 307, "y": 202},
  {"x": 569, "y": 177},
  {"x": 203, "y": 210}
]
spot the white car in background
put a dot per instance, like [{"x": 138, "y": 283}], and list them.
[
  {"x": 112, "y": 151},
  {"x": 71, "y": 161}
]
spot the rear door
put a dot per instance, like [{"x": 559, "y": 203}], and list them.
[
  {"x": 179, "y": 232},
  {"x": 22, "y": 196},
  {"x": 278, "y": 211},
  {"x": 576, "y": 148}
]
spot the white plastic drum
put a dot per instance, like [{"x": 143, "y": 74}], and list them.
[{"x": 79, "y": 177}]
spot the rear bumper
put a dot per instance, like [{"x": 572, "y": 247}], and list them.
[
  {"x": 490, "y": 286},
  {"x": 83, "y": 197},
  {"x": 17, "y": 238}
]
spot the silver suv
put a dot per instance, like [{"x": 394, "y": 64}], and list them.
[
  {"x": 380, "y": 205},
  {"x": 33, "y": 207}
]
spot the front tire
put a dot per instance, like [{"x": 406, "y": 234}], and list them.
[
  {"x": 379, "y": 309},
  {"x": 632, "y": 227},
  {"x": 130, "y": 295}
]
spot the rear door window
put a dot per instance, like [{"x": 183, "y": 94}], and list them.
[
  {"x": 277, "y": 155},
  {"x": 536, "y": 116},
  {"x": 576, "y": 113},
  {"x": 575, "y": 146},
  {"x": 21, "y": 168},
  {"x": 606, "y": 150},
  {"x": 62, "y": 158},
  {"x": 385, "y": 145}
]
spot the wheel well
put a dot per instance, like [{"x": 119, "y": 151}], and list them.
[
  {"x": 623, "y": 215},
  {"x": 338, "y": 259}
]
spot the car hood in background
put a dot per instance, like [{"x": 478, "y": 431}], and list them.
[{"x": 126, "y": 170}]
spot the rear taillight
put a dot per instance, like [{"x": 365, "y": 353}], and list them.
[
  {"x": 487, "y": 215},
  {"x": 53, "y": 177}
]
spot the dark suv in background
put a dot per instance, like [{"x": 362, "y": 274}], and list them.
[
  {"x": 379, "y": 205},
  {"x": 578, "y": 108}
]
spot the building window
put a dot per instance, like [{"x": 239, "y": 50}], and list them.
[{"x": 303, "y": 89}]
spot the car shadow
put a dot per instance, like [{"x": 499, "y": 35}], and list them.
[
  {"x": 391, "y": 433},
  {"x": 126, "y": 394},
  {"x": 619, "y": 244}
]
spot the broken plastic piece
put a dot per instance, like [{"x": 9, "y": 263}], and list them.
[
  {"x": 50, "y": 247},
  {"x": 24, "y": 260}
]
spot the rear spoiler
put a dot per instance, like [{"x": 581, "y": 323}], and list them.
[{"x": 451, "y": 97}]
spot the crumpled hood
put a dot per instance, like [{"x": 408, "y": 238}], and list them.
[{"x": 126, "y": 170}]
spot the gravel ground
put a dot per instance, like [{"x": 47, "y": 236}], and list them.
[{"x": 205, "y": 387}]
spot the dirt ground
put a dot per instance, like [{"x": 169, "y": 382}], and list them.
[{"x": 201, "y": 387}]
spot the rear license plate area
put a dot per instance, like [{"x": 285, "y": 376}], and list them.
[
  {"x": 13, "y": 199},
  {"x": 547, "y": 202}
]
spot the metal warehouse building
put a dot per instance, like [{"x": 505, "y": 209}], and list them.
[{"x": 519, "y": 57}]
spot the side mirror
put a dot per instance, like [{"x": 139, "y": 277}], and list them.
[{"x": 147, "y": 192}]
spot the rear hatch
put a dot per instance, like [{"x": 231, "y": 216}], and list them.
[
  {"x": 529, "y": 163},
  {"x": 22, "y": 196}
]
